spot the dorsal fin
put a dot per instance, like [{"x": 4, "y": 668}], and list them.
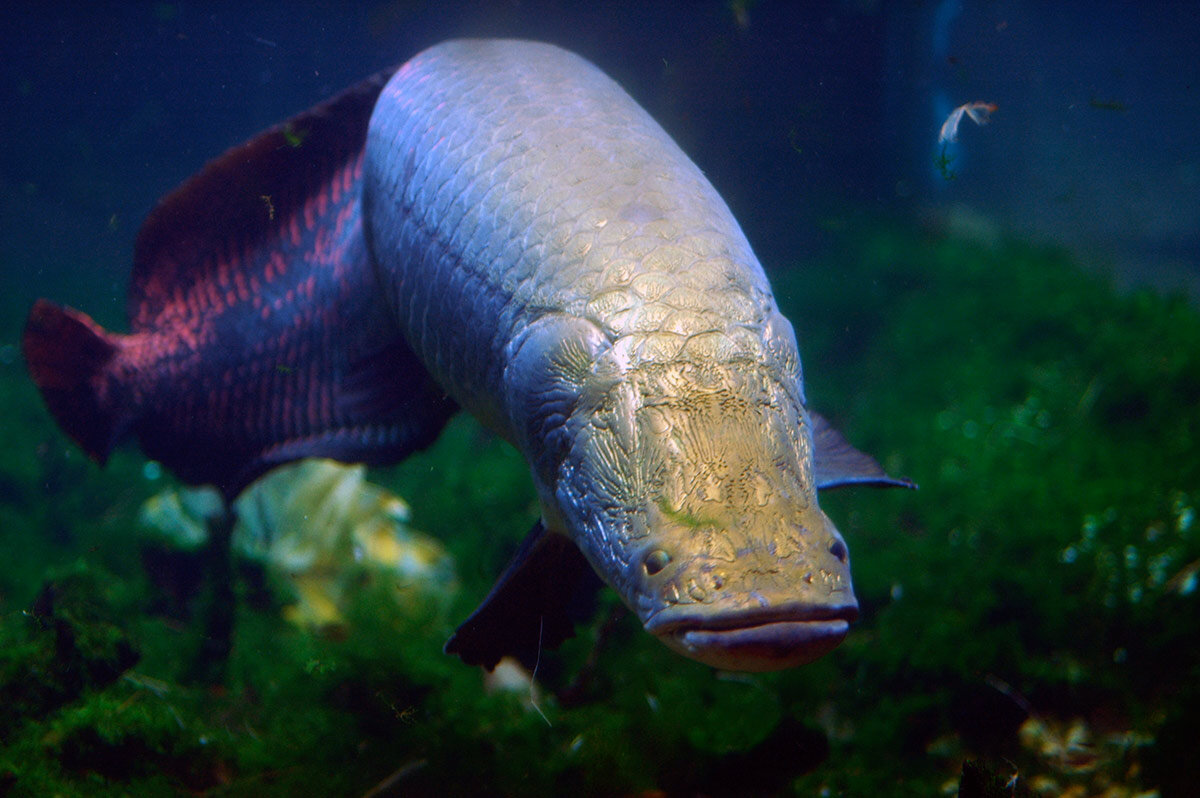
[{"x": 255, "y": 191}]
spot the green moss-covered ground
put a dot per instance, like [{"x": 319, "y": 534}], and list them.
[{"x": 1043, "y": 578}]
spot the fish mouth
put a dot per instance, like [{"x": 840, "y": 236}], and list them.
[{"x": 756, "y": 640}]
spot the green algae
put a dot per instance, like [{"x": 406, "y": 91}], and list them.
[
  {"x": 68, "y": 642},
  {"x": 1043, "y": 567},
  {"x": 1034, "y": 405}
]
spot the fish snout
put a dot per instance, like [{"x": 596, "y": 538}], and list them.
[{"x": 761, "y": 609}]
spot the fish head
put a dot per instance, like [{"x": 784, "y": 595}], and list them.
[{"x": 691, "y": 491}]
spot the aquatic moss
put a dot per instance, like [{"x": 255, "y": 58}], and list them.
[
  {"x": 70, "y": 641},
  {"x": 1051, "y": 423},
  {"x": 1042, "y": 567}
]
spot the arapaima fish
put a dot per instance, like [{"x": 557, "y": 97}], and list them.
[{"x": 496, "y": 226}]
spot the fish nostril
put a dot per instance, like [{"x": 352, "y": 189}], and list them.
[
  {"x": 838, "y": 549},
  {"x": 656, "y": 561}
]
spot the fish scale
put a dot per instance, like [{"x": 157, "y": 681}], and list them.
[{"x": 496, "y": 231}]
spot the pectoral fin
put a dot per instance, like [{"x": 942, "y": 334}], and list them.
[
  {"x": 838, "y": 464},
  {"x": 530, "y": 607}
]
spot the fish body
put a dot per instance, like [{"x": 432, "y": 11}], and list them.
[{"x": 514, "y": 232}]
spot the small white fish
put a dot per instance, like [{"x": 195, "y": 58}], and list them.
[{"x": 980, "y": 114}]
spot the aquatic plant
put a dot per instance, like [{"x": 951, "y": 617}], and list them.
[
  {"x": 1032, "y": 403},
  {"x": 1043, "y": 578}
]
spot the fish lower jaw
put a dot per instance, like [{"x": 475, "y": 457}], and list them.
[{"x": 756, "y": 643}]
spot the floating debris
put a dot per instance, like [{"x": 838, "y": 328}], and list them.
[
  {"x": 1078, "y": 763},
  {"x": 979, "y": 112}
]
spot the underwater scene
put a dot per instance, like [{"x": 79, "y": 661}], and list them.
[{"x": 394, "y": 404}]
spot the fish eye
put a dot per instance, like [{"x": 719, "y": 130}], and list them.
[
  {"x": 838, "y": 549},
  {"x": 656, "y": 561}
]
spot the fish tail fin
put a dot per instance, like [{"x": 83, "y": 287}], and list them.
[{"x": 71, "y": 359}]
